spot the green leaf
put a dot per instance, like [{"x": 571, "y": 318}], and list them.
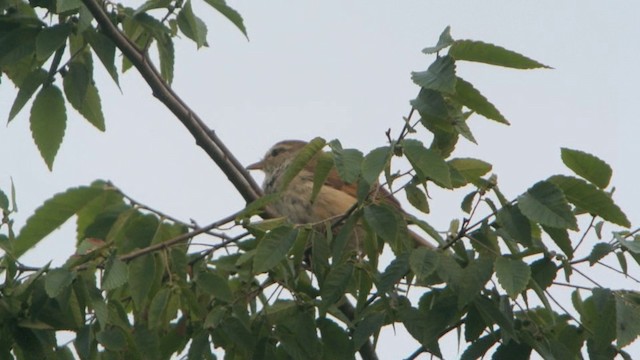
[
  {"x": 430, "y": 103},
  {"x": 543, "y": 272},
  {"x": 627, "y": 317},
  {"x": 228, "y": 12},
  {"x": 324, "y": 165},
  {"x": 67, "y": 5},
  {"x": 4, "y": 201},
  {"x": 112, "y": 339},
  {"x": 335, "y": 284},
  {"x": 166, "y": 53},
  {"x": 491, "y": 54},
  {"x": 472, "y": 280},
  {"x": 48, "y": 122},
  {"x": 444, "y": 41},
  {"x": 191, "y": 25},
  {"x": 395, "y": 271},
  {"x": 213, "y": 283},
  {"x": 57, "y": 280},
  {"x": 599, "y": 251},
  {"x": 28, "y": 87},
  {"x": 470, "y": 169},
  {"x": 428, "y": 163},
  {"x": 513, "y": 275},
  {"x": 545, "y": 203},
  {"x": 515, "y": 224},
  {"x": 470, "y": 97},
  {"x": 479, "y": 347},
  {"x": 273, "y": 248},
  {"x": 440, "y": 76},
  {"x": 383, "y": 221},
  {"x": 424, "y": 262},
  {"x": 142, "y": 272},
  {"x": 417, "y": 198},
  {"x": 52, "y": 214},
  {"x": 116, "y": 274},
  {"x": 591, "y": 199},
  {"x": 587, "y": 166},
  {"x": 633, "y": 246},
  {"x": 367, "y": 327},
  {"x": 302, "y": 158},
  {"x": 561, "y": 238},
  {"x": 348, "y": 162},
  {"x": 158, "y": 308},
  {"x": 374, "y": 163},
  {"x": 599, "y": 316},
  {"x": 337, "y": 344},
  {"x": 17, "y": 44},
  {"x": 51, "y": 39},
  {"x": 106, "y": 51},
  {"x": 83, "y": 95}
]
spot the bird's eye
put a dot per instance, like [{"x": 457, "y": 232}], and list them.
[{"x": 277, "y": 151}]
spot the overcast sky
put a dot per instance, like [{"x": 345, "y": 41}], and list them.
[{"x": 342, "y": 70}]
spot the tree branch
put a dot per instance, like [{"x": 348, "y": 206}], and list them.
[{"x": 205, "y": 137}]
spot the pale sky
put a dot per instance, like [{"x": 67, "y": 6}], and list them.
[{"x": 342, "y": 70}]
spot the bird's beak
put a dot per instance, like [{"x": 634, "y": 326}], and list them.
[{"x": 256, "y": 166}]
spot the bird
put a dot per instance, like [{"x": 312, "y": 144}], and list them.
[{"x": 335, "y": 198}]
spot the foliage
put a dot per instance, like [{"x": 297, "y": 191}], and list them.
[{"x": 136, "y": 288}]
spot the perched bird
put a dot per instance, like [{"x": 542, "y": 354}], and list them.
[{"x": 334, "y": 199}]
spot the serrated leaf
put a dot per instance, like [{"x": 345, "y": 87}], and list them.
[
  {"x": 158, "y": 307},
  {"x": 467, "y": 203},
  {"x": 337, "y": 344},
  {"x": 374, "y": 163},
  {"x": 622, "y": 260},
  {"x": 116, "y": 274},
  {"x": 302, "y": 158},
  {"x": 470, "y": 169},
  {"x": 228, "y": 12},
  {"x": 472, "y": 280},
  {"x": 324, "y": 165},
  {"x": 627, "y": 317},
  {"x": 191, "y": 25},
  {"x": 430, "y": 103},
  {"x": 383, "y": 221},
  {"x": 348, "y": 163},
  {"x": 470, "y": 97},
  {"x": 57, "y": 280},
  {"x": 587, "y": 166},
  {"x": 417, "y": 198},
  {"x": 440, "y": 76},
  {"x": 479, "y": 51},
  {"x": 515, "y": 224},
  {"x": 112, "y": 338},
  {"x": 591, "y": 199},
  {"x": 213, "y": 283},
  {"x": 67, "y": 5},
  {"x": 166, "y": 54},
  {"x": 4, "y": 201},
  {"x": 52, "y": 214},
  {"x": 395, "y": 271},
  {"x": 479, "y": 347},
  {"x": 444, "y": 41},
  {"x": 76, "y": 81},
  {"x": 51, "y": 39},
  {"x": 513, "y": 275},
  {"x": 561, "y": 238},
  {"x": 29, "y": 85},
  {"x": 543, "y": 271},
  {"x": 48, "y": 122},
  {"x": 273, "y": 248},
  {"x": 428, "y": 163},
  {"x": 17, "y": 44},
  {"x": 106, "y": 51},
  {"x": 423, "y": 262},
  {"x": 92, "y": 108},
  {"x": 365, "y": 328},
  {"x": 546, "y": 204},
  {"x": 461, "y": 126},
  {"x": 142, "y": 272},
  {"x": 335, "y": 284},
  {"x": 599, "y": 251}
]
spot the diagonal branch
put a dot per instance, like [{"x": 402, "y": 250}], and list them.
[{"x": 205, "y": 137}]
